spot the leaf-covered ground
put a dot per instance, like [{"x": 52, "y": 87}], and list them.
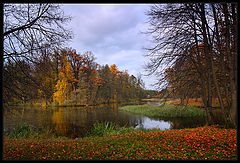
[
  {"x": 197, "y": 143},
  {"x": 193, "y": 102}
]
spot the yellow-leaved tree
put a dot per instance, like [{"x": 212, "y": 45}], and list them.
[
  {"x": 64, "y": 82},
  {"x": 114, "y": 70}
]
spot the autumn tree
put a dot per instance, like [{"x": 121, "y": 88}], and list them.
[
  {"x": 124, "y": 86},
  {"x": 209, "y": 30},
  {"x": 76, "y": 61},
  {"x": 45, "y": 75},
  {"x": 29, "y": 29},
  {"x": 114, "y": 72},
  {"x": 89, "y": 76},
  {"x": 227, "y": 40},
  {"x": 18, "y": 82},
  {"x": 183, "y": 80},
  {"x": 64, "y": 82},
  {"x": 106, "y": 90}
]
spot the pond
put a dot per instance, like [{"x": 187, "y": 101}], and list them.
[{"x": 76, "y": 121}]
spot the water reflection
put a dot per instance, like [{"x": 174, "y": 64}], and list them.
[
  {"x": 77, "y": 121},
  {"x": 150, "y": 123},
  {"x": 61, "y": 124}
]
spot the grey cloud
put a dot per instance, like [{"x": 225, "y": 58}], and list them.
[
  {"x": 92, "y": 23},
  {"x": 112, "y": 33}
]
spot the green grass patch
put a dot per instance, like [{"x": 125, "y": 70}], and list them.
[{"x": 167, "y": 110}]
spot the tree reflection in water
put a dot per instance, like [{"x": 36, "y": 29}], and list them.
[{"x": 77, "y": 121}]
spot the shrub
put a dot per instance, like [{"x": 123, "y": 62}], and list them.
[
  {"x": 22, "y": 130},
  {"x": 100, "y": 129}
]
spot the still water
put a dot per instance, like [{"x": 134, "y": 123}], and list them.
[{"x": 76, "y": 121}]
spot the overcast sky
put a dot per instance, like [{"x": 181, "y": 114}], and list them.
[{"x": 113, "y": 34}]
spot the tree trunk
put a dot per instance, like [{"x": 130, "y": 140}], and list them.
[
  {"x": 208, "y": 54},
  {"x": 234, "y": 67},
  {"x": 196, "y": 99},
  {"x": 216, "y": 85},
  {"x": 214, "y": 101},
  {"x": 232, "y": 57},
  {"x": 233, "y": 111},
  {"x": 219, "y": 47},
  {"x": 209, "y": 119},
  {"x": 182, "y": 100}
]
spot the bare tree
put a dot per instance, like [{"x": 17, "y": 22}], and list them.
[
  {"x": 29, "y": 28},
  {"x": 171, "y": 33},
  {"x": 203, "y": 36}
]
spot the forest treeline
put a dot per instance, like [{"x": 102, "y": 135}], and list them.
[
  {"x": 36, "y": 67},
  {"x": 195, "y": 53},
  {"x": 68, "y": 77}
]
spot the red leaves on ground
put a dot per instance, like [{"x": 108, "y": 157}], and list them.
[{"x": 197, "y": 143}]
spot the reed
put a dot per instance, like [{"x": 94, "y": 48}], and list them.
[
  {"x": 25, "y": 130},
  {"x": 106, "y": 129}
]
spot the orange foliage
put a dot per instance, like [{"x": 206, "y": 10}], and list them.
[
  {"x": 63, "y": 86},
  {"x": 84, "y": 68},
  {"x": 75, "y": 80},
  {"x": 99, "y": 81},
  {"x": 113, "y": 69},
  {"x": 191, "y": 102},
  {"x": 195, "y": 48},
  {"x": 199, "y": 102}
]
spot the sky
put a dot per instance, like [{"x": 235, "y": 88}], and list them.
[{"x": 113, "y": 32}]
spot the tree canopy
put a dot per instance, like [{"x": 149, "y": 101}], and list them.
[{"x": 194, "y": 52}]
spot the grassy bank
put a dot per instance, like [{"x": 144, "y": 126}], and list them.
[
  {"x": 197, "y": 143},
  {"x": 167, "y": 110},
  {"x": 70, "y": 103}
]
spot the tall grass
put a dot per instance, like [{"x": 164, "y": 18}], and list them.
[
  {"x": 107, "y": 128},
  {"x": 24, "y": 130},
  {"x": 167, "y": 110},
  {"x": 100, "y": 129}
]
